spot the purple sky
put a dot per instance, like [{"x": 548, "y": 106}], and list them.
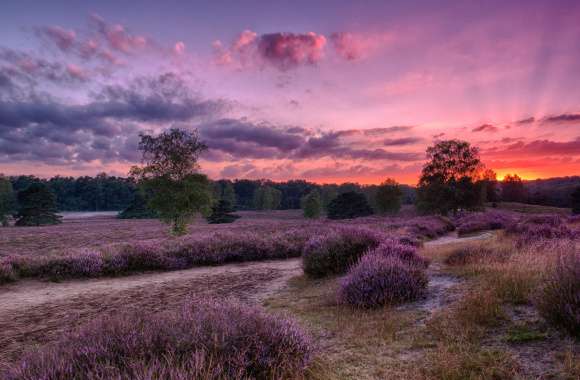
[{"x": 317, "y": 90}]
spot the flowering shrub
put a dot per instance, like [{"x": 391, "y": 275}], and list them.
[
  {"x": 430, "y": 226},
  {"x": 482, "y": 221},
  {"x": 541, "y": 227},
  {"x": 206, "y": 340},
  {"x": 379, "y": 280},
  {"x": 338, "y": 249},
  {"x": 406, "y": 253},
  {"x": 6, "y": 272},
  {"x": 559, "y": 297}
]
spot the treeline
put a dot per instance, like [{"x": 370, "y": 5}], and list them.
[{"x": 111, "y": 193}]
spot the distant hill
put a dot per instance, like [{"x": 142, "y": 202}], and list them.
[{"x": 552, "y": 191}]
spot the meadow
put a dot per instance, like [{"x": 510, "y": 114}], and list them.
[{"x": 488, "y": 295}]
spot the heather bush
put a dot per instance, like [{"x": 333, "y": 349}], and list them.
[
  {"x": 406, "y": 253},
  {"x": 336, "y": 250},
  {"x": 558, "y": 299},
  {"x": 482, "y": 221},
  {"x": 430, "y": 227},
  {"x": 379, "y": 280},
  {"x": 7, "y": 273},
  {"x": 204, "y": 340},
  {"x": 540, "y": 227}
]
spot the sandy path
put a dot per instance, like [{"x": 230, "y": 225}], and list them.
[{"x": 34, "y": 312}]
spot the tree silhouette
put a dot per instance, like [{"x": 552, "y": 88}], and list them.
[
  {"x": 37, "y": 207},
  {"x": 349, "y": 205}
]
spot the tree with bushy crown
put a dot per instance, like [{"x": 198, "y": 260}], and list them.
[
  {"x": 349, "y": 205},
  {"x": 222, "y": 212},
  {"x": 450, "y": 179},
  {"x": 267, "y": 198},
  {"x": 37, "y": 206},
  {"x": 388, "y": 197},
  {"x": 512, "y": 189},
  {"x": 312, "y": 205},
  {"x": 170, "y": 175},
  {"x": 138, "y": 208},
  {"x": 576, "y": 201},
  {"x": 7, "y": 200}
]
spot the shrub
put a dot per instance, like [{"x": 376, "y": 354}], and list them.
[
  {"x": 540, "y": 227},
  {"x": 335, "y": 251},
  {"x": 7, "y": 273},
  {"x": 348, "y": 206},
  {"x": 406, "y": 253},
  {"x": 208, "y": 340},
  {"x": 558, "y": 299},
  {"x": 312, "y": 205},
  {"x": 379, "y": 280},
  {"x": 482, "y": 221},
  {"x": 430, "y": 227}
]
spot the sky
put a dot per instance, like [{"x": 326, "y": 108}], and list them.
[{"x": 327, "y": 91}]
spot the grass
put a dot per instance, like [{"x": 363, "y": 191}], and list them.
[{"x": 519, "y": 334}]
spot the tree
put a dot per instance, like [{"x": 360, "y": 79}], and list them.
[
  {"x": 267, "y": 198},
  {"x": 349, "y": 205},
  {"x": 178, "y": 191},
  {"x": 388, "y": 197},
  {"x": 37, "y": 206},
  {"x": 222, "y": 212},
  {"x": 489, "y": 181},
  {"x": 7, "y": 200},
  {"x": 138, "y": 209},
  {"x": 312, "y": 205},
  {"x": 512, "y": 189},
  {"x": 575, "y": 196},
  {"x": 448, "y": 180}
]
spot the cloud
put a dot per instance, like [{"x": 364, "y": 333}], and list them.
[
  {"x": 525, "y": 121},
  {"x": 485, "y": 128},
  {"x": 402, "y": 141},
  {"x": 387, "y": 130},
  {"x": 537, "y": 148},
  {"x": 282, "y": 51},
  {"x": 118, "y": 37},
  {"x": 105, "y": 128},
  {"x": 356, "y": 46},
  {"x": 63, "y": 38},
  {"x": 563, "y": 118}
]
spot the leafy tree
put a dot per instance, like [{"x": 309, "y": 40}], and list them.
[
  {"x": 37, "y": 206},
  {"x": 349, "y": 205},
  {"x": 7, "y": 200},
  {"x": 489, "y": 181},
  {"x": 312, "y": 205},
  {"x": 328, "y": 193},
  {"x": 388, "y": 197},
  {"x": 267, "y": 198},
  {"x": 222, "y": 212},
  {"x": 448, "y": 180},
  {"x": 138, "y": 209},
  {"x": 178, "y": 191},
  {"x": 512, "y": 189},
  {"x": 575, "y": 196}
]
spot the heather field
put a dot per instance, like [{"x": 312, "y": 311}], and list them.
[{"x": 487, "y": 295}]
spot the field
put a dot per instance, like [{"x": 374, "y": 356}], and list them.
[{"x": 483, "y": 314}]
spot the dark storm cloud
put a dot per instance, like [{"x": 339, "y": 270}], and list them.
[{"x": 103, "y": 128}]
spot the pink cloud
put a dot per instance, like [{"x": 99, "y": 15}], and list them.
[
  {"x": 118, "y": 37},
  {"x": 354, "y": 46},
  {"x": 283, "y": 51},
  {"x": 62, "y": 38},
  {"x": 485, "y": 128},
  {"x": 179, "y": 48}
]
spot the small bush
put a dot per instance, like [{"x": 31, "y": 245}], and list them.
[
  {"x": 430, "y": 227},
  {"x": 337, "y": 250},
  {"x": 558, "y": 299},
  {"x": 349, "y": 205},
  {"x": 378, "y": 280},
  {"x": 7, "y": 273},
  {"x": 483, "y": 221},
  {"x": 406, "y": 253},
  {"x": 206, "y": 340}
]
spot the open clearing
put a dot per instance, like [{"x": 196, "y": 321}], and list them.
[{"x": 410, "y": 341}]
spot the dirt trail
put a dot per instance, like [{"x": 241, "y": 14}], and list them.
[{"x": 35, "y": 312}]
